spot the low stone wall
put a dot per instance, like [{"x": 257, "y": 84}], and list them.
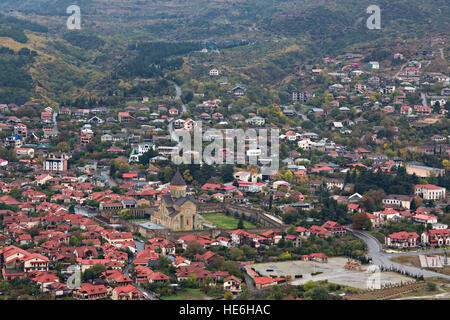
[{"x": 138, "y": 212}]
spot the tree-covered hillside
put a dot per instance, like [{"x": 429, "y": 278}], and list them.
[{"x": 123, "y": 39}]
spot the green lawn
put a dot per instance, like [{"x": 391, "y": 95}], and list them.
[
  {"x": 188, "y": 294},
  {"x": 223, "y": 221}
]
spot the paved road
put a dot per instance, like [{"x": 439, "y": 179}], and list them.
[
  {"x": 111, "y": 182},
  {"x": 55, "y": 122},
  {"x": 173, "y": 135},
  {"x": 382, "y": 259},
  {"x": 401, "y": 69},
  {"x": 424, "y": 99},
  {"x": 178, "y": 96}
]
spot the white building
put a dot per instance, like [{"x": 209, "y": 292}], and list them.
[
  {"x": 214, "y": 72},
  {"x": 429, "y": 192}
]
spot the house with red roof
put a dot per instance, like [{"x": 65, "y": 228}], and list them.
[
  {"x": 334, "y": 228},
  {"x": 146, "y": 257},
  {"x": 16, "y": 262},
  {"x": 322, "y": 169},
  {"x": 264, "y": 282},
  {"x": 237, "y": 236},
  {"x": 211, "y": 187},
  {"x": 89, "y": 291},
  {"x": 353, "y": 207},
  {"x": 425, "y": 219},
  {"x": 303, "y": 232},
  {"x": 116, "y": 277},
  {"x": 125, "y": 117},
  {"x": 232, "y": 284},
  {"x": 387, "y": 214},
  {"x": 436, "y": 237},
  {"x": 203, "y": 240},
  {"x": 127, "y": 292},
  {"x": 207, "y": 257},
  {"x": 272, "y": 237},
  {"x": 224, "y": 242},
  {"x": 157, "y": 277},
  {"x": 183, "y": 273},
  {"x": 402, "y": 239},
  {"x": 23, "y": 239},
  {"x": 319, "y": 231},
  {"x": 44, "y": 279},
  {"x": 180, "y": 261},
  {"x": 117, "y": 237},
  {"x": 141, "y": 274},
  {"x": 10, "y": 201},
  {"x": 374, "y": 220},
  {"x": 319, "y": 257}
]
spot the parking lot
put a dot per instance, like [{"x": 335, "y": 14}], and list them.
[{"x": 333, "y": 271}]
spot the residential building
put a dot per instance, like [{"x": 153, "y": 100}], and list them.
[
  {"x": 429, "y": 192},
  {"x": 402, "y": 239}
]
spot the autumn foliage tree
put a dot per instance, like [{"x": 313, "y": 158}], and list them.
[{"x": 361, "y": 221}]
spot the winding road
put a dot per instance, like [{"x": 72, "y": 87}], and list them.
[
  {"x": 178, "y": 96},
  {"x": 382, "y": 259},
  {"x": 178, "y": 91}
]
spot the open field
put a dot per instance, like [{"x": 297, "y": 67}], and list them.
[
  {"x": 189, "y": 294},
  {"x": 223, "y": 221},
  {"x": 408, "y": 260},
  {"x": 333, "y": 271}
]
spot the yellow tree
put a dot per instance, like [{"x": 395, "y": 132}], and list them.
[
  {"x": 446, "y": 164},
  {"x": 187, "y": 175},
  {"x": 289, "y": 176}
]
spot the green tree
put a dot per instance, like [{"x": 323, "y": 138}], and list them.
[
  {"x": 93, "y": 272},
  {"x": 317, "y": 293},
  {"x": 228, "y": 295},
  {"x": 240, "y": 224}
]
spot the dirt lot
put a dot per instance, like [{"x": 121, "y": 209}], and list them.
[{"x": 333, "y": 271}]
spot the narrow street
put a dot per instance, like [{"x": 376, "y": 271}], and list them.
[
  {"x": 148, "y": 295},
  {"x": 111, "y": 182}
]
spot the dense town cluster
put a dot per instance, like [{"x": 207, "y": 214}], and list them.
[{"x": 94, "y": 190}]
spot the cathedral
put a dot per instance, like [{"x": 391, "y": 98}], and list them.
[{"x": 178, "y": 211}]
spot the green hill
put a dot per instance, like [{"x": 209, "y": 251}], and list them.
[{"x": 124, "y": 39}]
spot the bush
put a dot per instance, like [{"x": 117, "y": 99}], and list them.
[
  {"x": 228, "y": 295},
  {"x": 431, "y": 286}
]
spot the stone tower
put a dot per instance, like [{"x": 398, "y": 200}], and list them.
[{"x": 178, "y": 186}]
